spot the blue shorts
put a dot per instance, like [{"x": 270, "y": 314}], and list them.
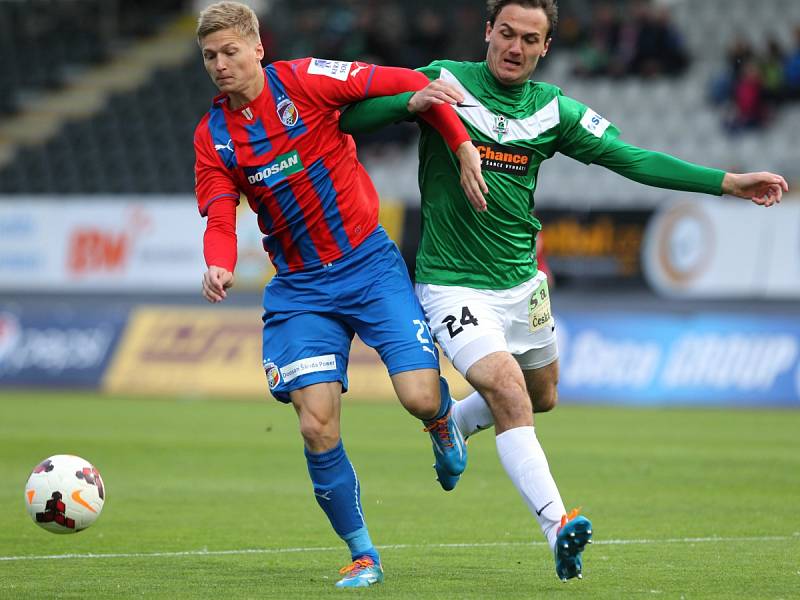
[{"x": 310, "y": 318}]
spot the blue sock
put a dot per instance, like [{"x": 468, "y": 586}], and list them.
[
  {"x": 338, "y": 493},
  {"x": 445, "y": 400}
]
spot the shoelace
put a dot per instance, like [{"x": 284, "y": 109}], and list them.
[
  {"x": 357, "y": 566},
  {"x": 569, "y": 516},
  {"x": 441, "y": 429}
]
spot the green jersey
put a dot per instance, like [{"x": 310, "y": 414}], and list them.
[{"x": 514, "y": 129}]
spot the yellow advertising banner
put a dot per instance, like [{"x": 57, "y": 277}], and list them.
[{"x": 217, "y": 352}]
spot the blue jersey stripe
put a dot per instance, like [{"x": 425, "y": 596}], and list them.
[
  {"x": 295, "y": 217},
  {"x": 321, "y": 180},
  {"x": 258, "y": 138},
  {"x": 369, "y": 81},
  {"x": 279, "y": 95},
  {"x": 270, "y": 242},
  {"x": 223, "y": 143}
]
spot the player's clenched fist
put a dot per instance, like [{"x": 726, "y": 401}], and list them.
[{"x": 215, "y": 281}]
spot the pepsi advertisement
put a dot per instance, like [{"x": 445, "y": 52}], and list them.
[{"x": 64, "y": 346}]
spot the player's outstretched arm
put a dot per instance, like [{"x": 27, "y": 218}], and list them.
[
  {"x": 763, "y": 188},
  {"x": 662, "y": 170},
  {"x": 374, "y": 113}
]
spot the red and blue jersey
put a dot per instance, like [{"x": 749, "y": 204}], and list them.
[{"x": 285, "y": 153}]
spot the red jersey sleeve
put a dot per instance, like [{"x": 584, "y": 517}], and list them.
[
  {"x": 334, "y": 84},
  {"x": 212, "y": 180},
  {"x": 217, "y": 198},
  {"x": 219, "y": 240}
]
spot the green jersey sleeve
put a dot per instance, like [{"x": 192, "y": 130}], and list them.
[
  {"x": 375, "y": 113},
  {"x": 659, "y": 170},
  {"x": 584, "y": 133}
]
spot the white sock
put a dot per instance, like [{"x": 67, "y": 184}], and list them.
[
  {"x": 524, "y": 461},
  {"x": 472, "y": 414}
]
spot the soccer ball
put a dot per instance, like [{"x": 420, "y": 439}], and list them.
[{"x": 64, "y": 494}]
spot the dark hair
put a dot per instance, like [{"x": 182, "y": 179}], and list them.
[{"x": 550, "y": 8}]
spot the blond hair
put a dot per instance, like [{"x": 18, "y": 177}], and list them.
[{"x": 228, "y": 15}]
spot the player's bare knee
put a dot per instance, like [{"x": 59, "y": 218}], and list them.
[
  {"x": 423, "y": 403},
  {"x": 318, "y": 434}
]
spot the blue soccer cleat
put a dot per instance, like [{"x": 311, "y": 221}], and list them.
[
  {"x": 447, "y": 481},
  {"x": 362, "y": 572},
  {"x": 449, "y": 447},
  {"x": 573, "y": 535}
]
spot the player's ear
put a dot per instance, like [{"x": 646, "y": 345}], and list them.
[
  {"x": 259, "y": 51},
  {"x": 488, "y": 31},
  {"x": 547, "y": 46}
]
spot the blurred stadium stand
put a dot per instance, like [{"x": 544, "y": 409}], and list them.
[{"x": 131, "y": 88}]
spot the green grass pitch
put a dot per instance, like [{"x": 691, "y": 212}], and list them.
[{"x": 211, "y": 499}]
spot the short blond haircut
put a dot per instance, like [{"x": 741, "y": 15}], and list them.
[{"x": 228, "y": 15}]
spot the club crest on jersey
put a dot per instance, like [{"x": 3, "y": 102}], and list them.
[
  {"x": 500, "y": 126},
  {"x": 273, "y": 374},
  {"x": 287, "y": 113}
]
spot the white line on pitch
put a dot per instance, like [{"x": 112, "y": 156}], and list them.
[{"x": 699, "y": 540}]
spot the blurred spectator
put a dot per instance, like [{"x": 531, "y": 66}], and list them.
[
  {"x": 430, "y": 39},
  {"x": 597, "y": 54},
  {"x": 660, "y": 48},
  {"x": 749, "y": 109},
  {"x": 385, "y": 28},
  {"x": 753, "y": 85},
  {"x": 772, "y": 64},
  {"x": 792, "y": 70},
  {"x": 469, "y": 22},
  {"x": 644, "y": 44},
  {"x": 723, "y": 85}
]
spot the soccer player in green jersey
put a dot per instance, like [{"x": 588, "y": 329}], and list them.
[{"x": 487, "y": 303}]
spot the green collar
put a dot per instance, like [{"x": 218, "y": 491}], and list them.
[{"x": 511, "y": 97}]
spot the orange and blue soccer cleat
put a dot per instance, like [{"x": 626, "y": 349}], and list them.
[
  {"x": 449, "y": 449},
  {"x": 573, "y": 535},
  {"x": 362, "y": 572}
]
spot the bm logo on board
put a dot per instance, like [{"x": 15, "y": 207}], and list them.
[{"x": 503, "y": 159}]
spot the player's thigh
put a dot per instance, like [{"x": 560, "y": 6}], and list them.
[
  {"x": 468, "y": 324},
  {"x": 303, "y": 349},
  {"x": 387, "y": 316},
  {"x": 498, "y": 378}
]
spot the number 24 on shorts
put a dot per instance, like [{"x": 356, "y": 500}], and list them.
[{"x": 466, "y": 319}]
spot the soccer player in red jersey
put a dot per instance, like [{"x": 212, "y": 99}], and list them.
[{"x": 272, "y": 135}]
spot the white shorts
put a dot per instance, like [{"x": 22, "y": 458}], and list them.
[{"x": 470, "y": 324}]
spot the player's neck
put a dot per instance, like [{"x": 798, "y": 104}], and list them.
[{"x": 237, "y": 100}]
